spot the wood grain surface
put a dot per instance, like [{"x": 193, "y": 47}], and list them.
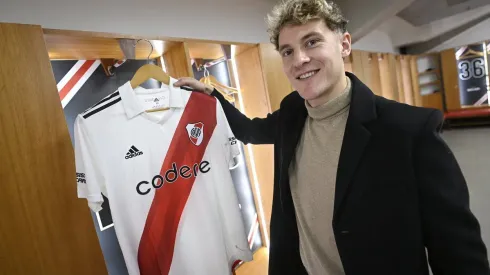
[
  {"x": 256, "y": 104},
  {"x": 44, "y": 227},
  {"x": 62, "y": 46},
  {"x": 177, "y": 61},
  {"x": 450, "y": 80},
  {"x": 277, "y": 83},
  {"x": 407, "y": 84},
  {"x": 415, "y": 82}
]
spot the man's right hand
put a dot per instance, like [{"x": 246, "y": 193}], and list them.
[{"x": 194, "y": 84}]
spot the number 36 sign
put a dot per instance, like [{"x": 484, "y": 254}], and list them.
[{"x": 472, "y": 74}]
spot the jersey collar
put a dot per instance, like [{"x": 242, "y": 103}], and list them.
[{"x": 132, "y": 106}]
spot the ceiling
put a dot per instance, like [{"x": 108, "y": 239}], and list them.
[{"x": 422, "y": 12}]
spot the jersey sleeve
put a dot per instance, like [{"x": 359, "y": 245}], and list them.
[
  {"x": 231, "y": 215},
  {"x": 230, "y": 142},
  {"x": 233, "y": 225},
  {"x": 88, "y": 174}
]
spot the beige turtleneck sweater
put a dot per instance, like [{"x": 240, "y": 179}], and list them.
[{"x": 312, "y": 175}]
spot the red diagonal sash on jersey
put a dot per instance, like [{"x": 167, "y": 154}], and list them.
[{"x": 157, "y": 243}]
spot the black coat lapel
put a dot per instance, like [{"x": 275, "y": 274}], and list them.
[{"x": 356, "y": 137}]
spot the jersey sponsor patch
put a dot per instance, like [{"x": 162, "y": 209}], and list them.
[
  {"x": 81, "y": 178},
  {"x": 195, "y": 131}
]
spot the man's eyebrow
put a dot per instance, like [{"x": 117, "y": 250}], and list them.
[
  {"x": 305, "y": 37},
  {"x": 309, "y": 35},
  {"x": 282, "y": 47}
]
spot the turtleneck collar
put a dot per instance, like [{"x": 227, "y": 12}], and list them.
[{"x": 333, "y": 107}]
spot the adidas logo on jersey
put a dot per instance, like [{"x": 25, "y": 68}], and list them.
[{"x": 133, "y": 152}]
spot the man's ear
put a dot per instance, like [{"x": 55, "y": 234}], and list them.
[{"x": 346, "y": 44}]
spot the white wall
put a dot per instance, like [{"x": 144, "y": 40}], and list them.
[
  {"x": 402, "y": 33},
  {"x": 365, "y": 16},
  {"x": 376, "y": 41},
  {"x": 470, "y": 146},
  {"x": 478, "y": 33},
  {"x": 227, "y": 20}
]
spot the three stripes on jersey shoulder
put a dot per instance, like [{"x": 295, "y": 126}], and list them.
[{"x": 105, "y": 103}]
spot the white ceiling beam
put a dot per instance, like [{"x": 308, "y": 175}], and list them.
[{"x": 365, "y": 16}]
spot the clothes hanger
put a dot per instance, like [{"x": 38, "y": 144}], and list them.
[
  {"x": 147, "y": 72},
  {"x": 471, "y": 53},
  {"x": 211, "y": 80}
]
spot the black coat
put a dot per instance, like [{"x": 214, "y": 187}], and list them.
[{"x": 399, "y": 190}]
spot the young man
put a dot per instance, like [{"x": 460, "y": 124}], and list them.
[{"x": 363, "y": 185}]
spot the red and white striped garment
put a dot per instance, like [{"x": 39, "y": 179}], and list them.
[{"x": 166, "y": 174}]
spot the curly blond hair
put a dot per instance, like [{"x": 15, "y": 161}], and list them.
[{"x": 299, "y": 12}]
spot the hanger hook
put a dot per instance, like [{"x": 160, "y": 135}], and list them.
[
  {"x": 148, "y": 58},
  {"x": 206, "y": 72}
]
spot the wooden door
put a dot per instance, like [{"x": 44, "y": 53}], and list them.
[
  {"x": 348, "y": 64},
  {"x": 407, "y": 83},
  {"x": 44, "y": 228},
  {"x": 387, "y": 68},
  {"x": 370, "y": 65},
  {"x": 450, "y": 80},
  {"x": 276, "y": 81},
  {"x": 260, "y": 158},
  {"x": 417, "y": 97},
  {"x": 357, "y": 67}
]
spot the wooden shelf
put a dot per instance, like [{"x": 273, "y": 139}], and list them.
[
  {"x": 432, "y": 83},
  {"x": 434, "y": 71},
  {"x": 79, "y": 47}
]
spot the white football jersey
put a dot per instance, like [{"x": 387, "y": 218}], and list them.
[{"x": 166, "y": 174}]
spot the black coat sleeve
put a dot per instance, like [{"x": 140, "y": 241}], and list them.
[
  {"x": 451, "y": 232},
  {"x": 254, "y": 131}
]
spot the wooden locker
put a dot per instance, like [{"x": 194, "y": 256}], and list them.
[
  {"x": 450, "y": 79},
  {"x": 370, "y": 66},
  {"x": 357, "y": 67},
  {"x": 417, "y": 97},
  {"x": 177, "y": 61},
  {"x": 408, "y": 96},
  {"x": 399, "y": 79},
  {"x": 256, "y": 103},
  {"x": 276, "y": 81},
  {"x": 388, "y": 76},
  {"x": 44, "y": 228},
  {"x": 348, "y": 64}
]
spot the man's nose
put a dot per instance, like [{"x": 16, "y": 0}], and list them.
[{"x": 300, "y": 58}]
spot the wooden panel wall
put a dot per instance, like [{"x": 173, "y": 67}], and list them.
[
  {"x": 387, "y": 63},
  {"x": 277, "y": 83},
  {"x": 371, "y": 72},
  {"x": 392, "y": 73},
  {"x": 357, "y": 67},
  {"x": 417, "y": 97},
  {"x": 399, "y": 80},
  {"x": 450, "y": 79},
  {"x": 407, "y": 85},
  {"x": 348, "y": 64},
  {"x": 44, "y": 228},
  {"x": 177, "y": 61},
  {"x": 76, "y": 45},
  {"x": 256, "y": 104},
  {"x": 433, "y": 101}
]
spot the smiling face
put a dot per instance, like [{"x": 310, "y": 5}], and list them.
[{"x": 312, "y": 58}]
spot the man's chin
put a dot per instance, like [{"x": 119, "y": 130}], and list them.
[{"x": 308, "y": 95}]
